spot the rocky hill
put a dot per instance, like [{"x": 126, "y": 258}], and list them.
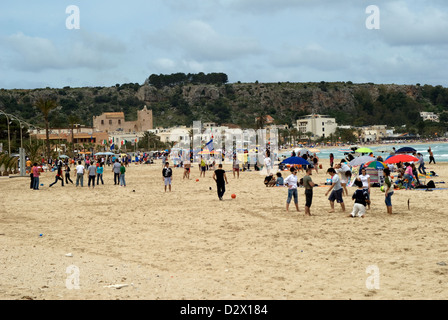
[{"x": 237, "y": 103}]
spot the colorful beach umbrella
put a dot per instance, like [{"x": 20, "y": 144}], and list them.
[
  {"x": 363, "y": 150},
  {"x": 401, "y": 158},
  {"x": 375, "y": 164}
]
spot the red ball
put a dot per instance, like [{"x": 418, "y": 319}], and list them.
[
  {"x": 233, "y": 196},
  {"x": 197, "y": 180}
]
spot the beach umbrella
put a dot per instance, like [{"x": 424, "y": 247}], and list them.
[
  {"x": 363, "y": 150},
  {"x": 401, "y": 158},
  {"x": 406, "y": 150},
  {"x": 301, "y": 150},
  {"x": 63, "y": 156},
  {"x": 361, "y": 160},
  {"x": 375, "y": 164},
  {"x": 295, "y": 160}
]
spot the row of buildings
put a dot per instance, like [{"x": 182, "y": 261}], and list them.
[{"x": 112, "y": 128}]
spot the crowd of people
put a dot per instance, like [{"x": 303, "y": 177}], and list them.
[{"x": 406, "y": 176}]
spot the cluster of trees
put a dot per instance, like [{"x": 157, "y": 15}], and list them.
[{"x": 176, "y": 79}]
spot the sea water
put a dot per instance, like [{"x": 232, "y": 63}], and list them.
[{"x": 440, "y": 151}]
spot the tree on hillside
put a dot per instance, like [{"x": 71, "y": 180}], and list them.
[{"x": 46, "y": 105}]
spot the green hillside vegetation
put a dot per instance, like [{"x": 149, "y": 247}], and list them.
[{"x": 183, "y": 99}]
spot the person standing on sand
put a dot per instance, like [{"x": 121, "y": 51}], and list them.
[
  {"x": 389, "y": 190},
  {"x": 31, "y": 176},
  {"x": 99, "y": 173},
  {"x": 79, "y": 173},
  {"x": 308, "y": 184},
  {"x": 202, "y": 167},
  {"x": 291, "y": 183},
  {"x": 331, "y": 160},
  {"x": 122, "y": 175},
  {"x": 187, "y": 166},
  {"x": 336, "y": 190},
  {"x": 116, "y": 170},
  {"x": 167, "y": 174},
  {"x": 36, "y": 175},
  {"x": 92, "y": 173},
  {"x": 221, "y": 180},
  {"x": 236, "y": 166},
  {"x": 431, "y": 156}
]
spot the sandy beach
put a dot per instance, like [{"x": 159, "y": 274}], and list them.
[{"x": 189, "y": 245}]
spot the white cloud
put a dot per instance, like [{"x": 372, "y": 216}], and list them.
[
  {"x": 312, "y": 56},
  {"x": 403, "y": 24},
  {"x": 86, "y": 50},
  {"x": 197, "y": 40}
]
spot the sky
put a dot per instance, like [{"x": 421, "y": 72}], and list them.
[{"x": 400, "y": 42}]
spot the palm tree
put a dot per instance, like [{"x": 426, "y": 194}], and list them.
[
  {"x": 294, "y": 133},
  {"x": 309, "y": 135},
  {"x": 8, "y": 163},
  {"x": 33, "y": 150},
  {"x": 45, "y": 105}
]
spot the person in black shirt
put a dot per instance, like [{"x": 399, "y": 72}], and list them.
[
  {"x": 58, "y": 176},
  {"x": 67, "y": 174},
  {"x": 361, "y": 198},
  {"x": 220, "y": 177},
  {"x": 167, "y": 173}
]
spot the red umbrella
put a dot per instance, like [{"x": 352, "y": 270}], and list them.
[{"x": 401, "y": 158}]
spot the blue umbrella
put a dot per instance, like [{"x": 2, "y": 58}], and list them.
[
  {"x": 295, "y": 160},
  {"x": 406, "y": 150}
]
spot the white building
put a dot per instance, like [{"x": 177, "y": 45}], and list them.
[
  {"x": 431, "y": 116},
  {"x": 318, "y": 125}
]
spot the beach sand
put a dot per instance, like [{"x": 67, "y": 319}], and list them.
[{"x": 189, "y": 245}]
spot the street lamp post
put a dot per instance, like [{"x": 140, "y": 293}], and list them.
[{"x": 21, "y": 136}]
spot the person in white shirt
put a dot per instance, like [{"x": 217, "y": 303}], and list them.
[
  {"x": 365, "y": 179},
  {"x": 336, "y": 190},
  {"x": 80, "y": 174},
  {"x": 267, "y": 164},
  {"x": 342, "y": 170},
  {"x": 291, "y": 183}
]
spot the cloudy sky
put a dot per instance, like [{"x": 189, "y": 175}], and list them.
[{"x": 249, "y": 40}]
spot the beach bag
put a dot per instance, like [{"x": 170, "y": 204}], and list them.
[{"x": 431, "y": 184}]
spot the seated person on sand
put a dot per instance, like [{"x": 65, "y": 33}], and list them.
[
  {"x": 269, "y": 180},
  {"x": 280, "y": 181}
]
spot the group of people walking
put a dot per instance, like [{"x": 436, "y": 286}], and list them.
[{"x": 94, "y": 173}]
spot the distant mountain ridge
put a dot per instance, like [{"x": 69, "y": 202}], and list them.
[{"x": 238, "y": 103}]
